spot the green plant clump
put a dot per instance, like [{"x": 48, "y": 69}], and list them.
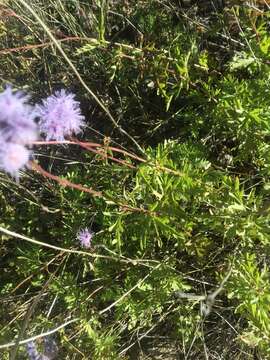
[{"x": 147, "y": 235}]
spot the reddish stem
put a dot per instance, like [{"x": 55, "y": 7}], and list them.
[
  {"x": 64, "y": 182},
  {"x": 89, "y": 145},
  {"x": 36, "y": 46}
]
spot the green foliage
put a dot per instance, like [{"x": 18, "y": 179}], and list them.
[
  {"x": 250, "y": 286},
  {"x": 194, "y": 93}
]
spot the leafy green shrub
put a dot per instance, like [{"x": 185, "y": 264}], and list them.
[{"x": 171, "y": 223}]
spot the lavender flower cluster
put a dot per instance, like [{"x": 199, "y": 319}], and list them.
[
  {"x": 59, "y": 117},
  {"x": 85, "y": 237},
  {"x": 17, "y": 129},
  {"x": 50, "y": 350}
]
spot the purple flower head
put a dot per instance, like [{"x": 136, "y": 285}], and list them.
[
  {"x": 13, "y": 157},
  {"x": 11, "y": 105},
  {"x": 31, "y": 350},
  {"x": 60, "y": 116},
  {"x": 17, "y": 117},
  {"x": 49, "y": 354},
  {"x": 85, "y": 237}
]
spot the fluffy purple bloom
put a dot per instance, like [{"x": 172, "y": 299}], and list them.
[
  {"x": 60, "y": 116},
  {"x": 85, "y": 237},
  {"x": 13, "y": 157},
  {"x": 17, "y": 129},
  {"x": 12, "y": 105},
  {"x": 17, "y": 123}
]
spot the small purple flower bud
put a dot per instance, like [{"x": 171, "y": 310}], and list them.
[
  {"x": 60, "y": 116},
  {"x": 85, "y": 237}
]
